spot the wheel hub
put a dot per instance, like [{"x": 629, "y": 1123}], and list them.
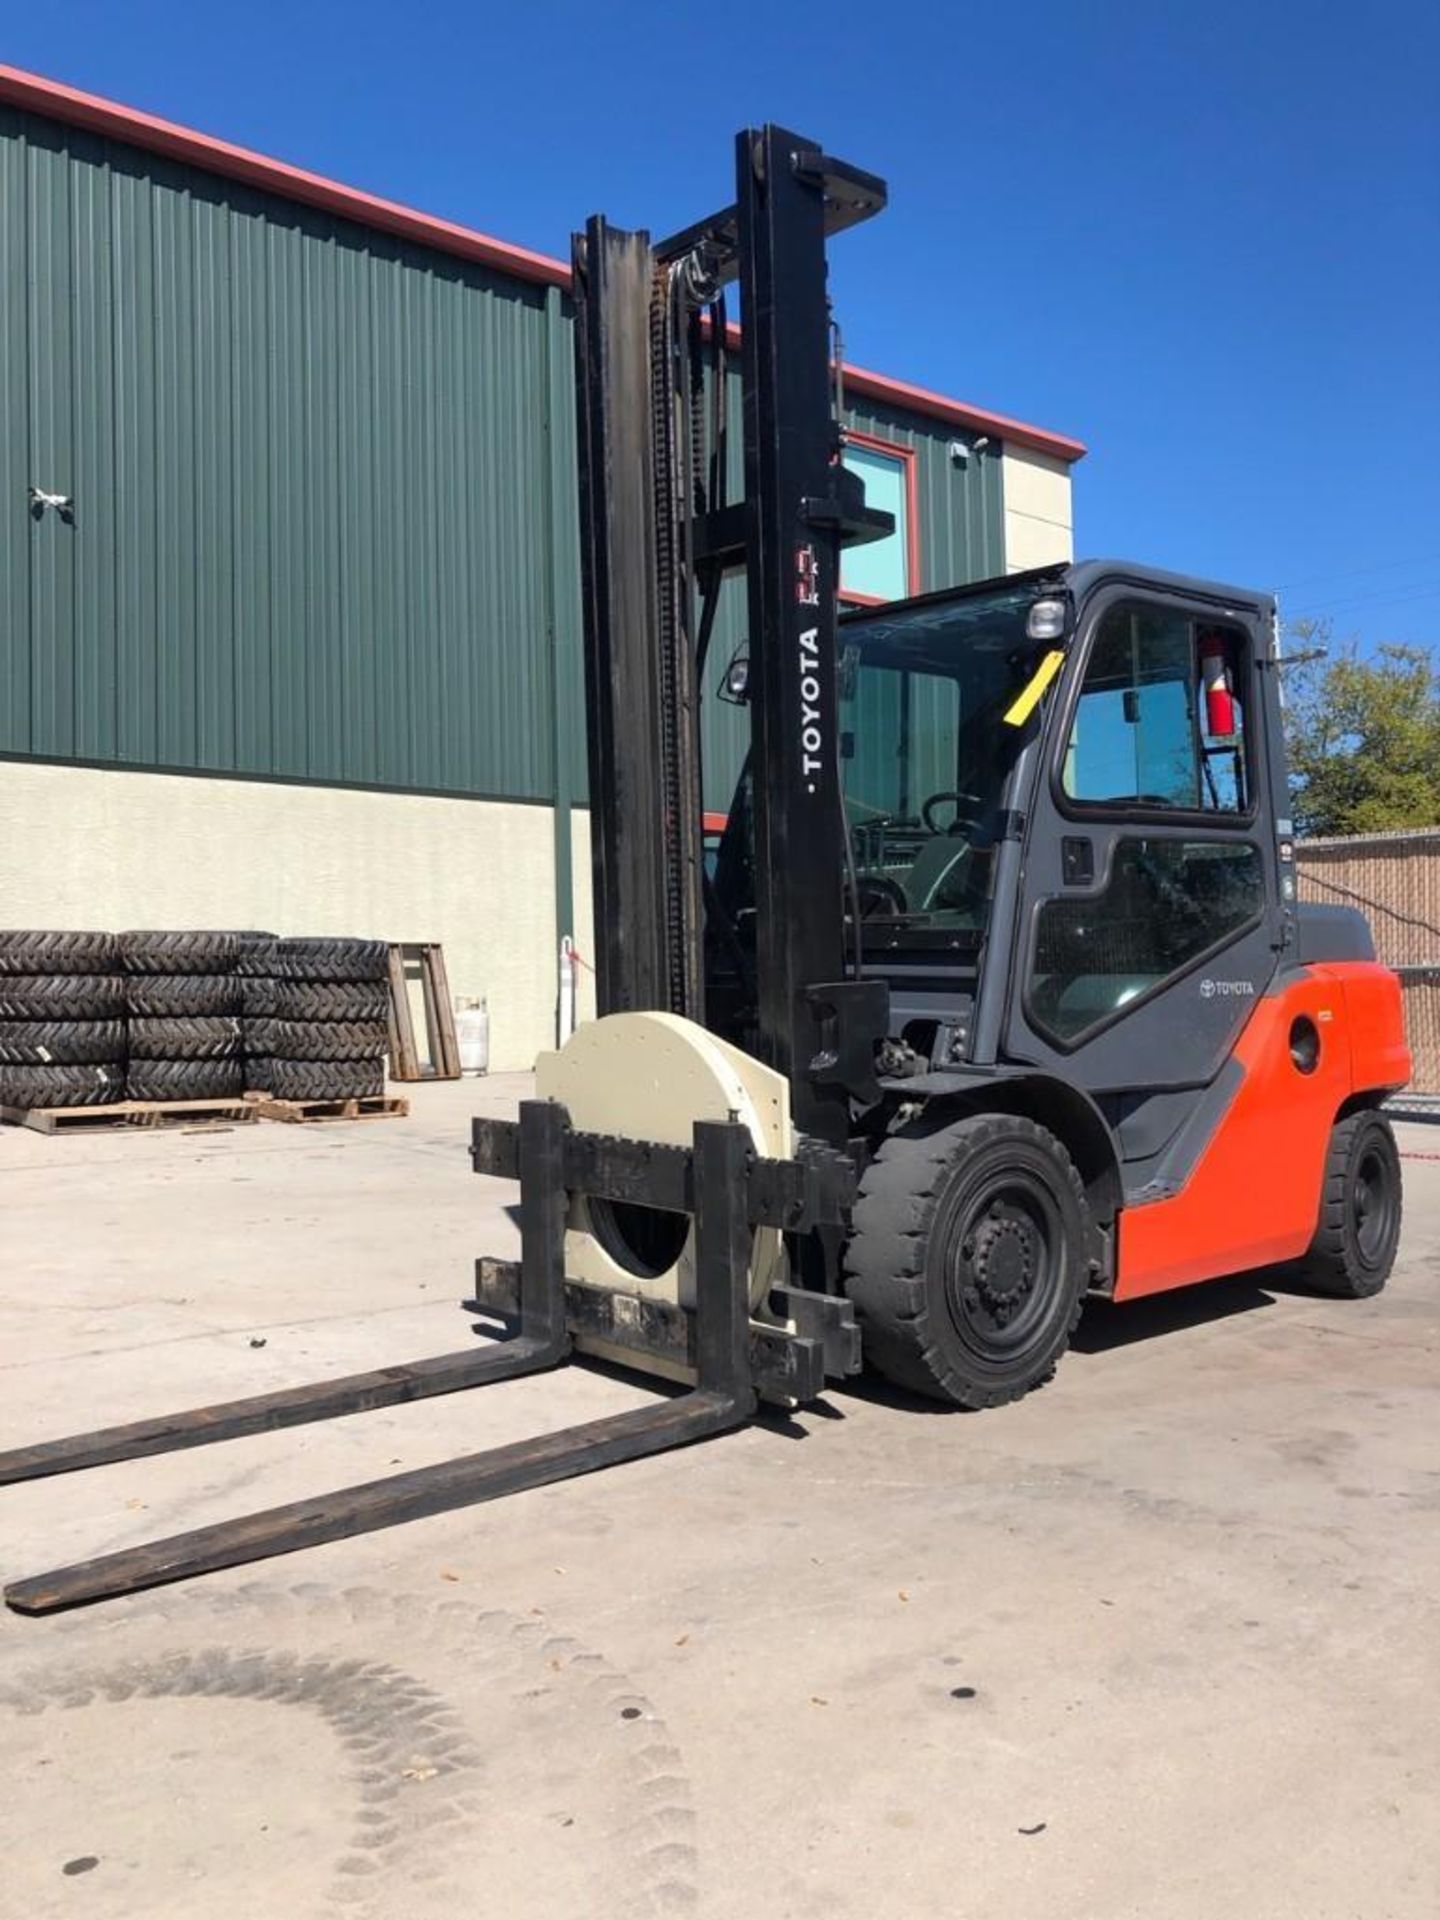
[
  {"x": 1370, "y": 1207},
  {"x": 1003, "y": 1262}
]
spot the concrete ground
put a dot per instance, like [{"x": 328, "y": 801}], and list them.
[{"x": 1160, "y": 1641}]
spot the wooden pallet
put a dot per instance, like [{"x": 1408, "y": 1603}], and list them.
[
  {"x": 366, "y": 1106},
  {"x": 231, "y": 1111},
  {"x": 423, "y": 961}
]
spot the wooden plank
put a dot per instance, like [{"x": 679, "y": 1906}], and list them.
[
  {"x": 441, "y": 1059},
  {"x": 232, "y": 1110},
  {"x": 431, "y": 1067},
  {"x": 404, "y": 1064},
  {"x": 370, "y": 1106},
  {"x": 446, "y": 1043}
]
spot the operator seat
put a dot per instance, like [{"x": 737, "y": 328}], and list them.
[{"x": 941, "y": 866}]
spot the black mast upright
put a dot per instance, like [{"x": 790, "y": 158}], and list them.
[
  {"x": 639, "y": 671},
  {"x": 647, "y": 534},
  {"x": 798, "y": 503}
]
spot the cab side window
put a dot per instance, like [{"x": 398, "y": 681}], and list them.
[
  {"x": 1160, "y": 723},
  {"x": 1162, "y": 904}
]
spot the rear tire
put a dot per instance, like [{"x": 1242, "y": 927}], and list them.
[
  {"x": 969, "y": 1258},
  {"x": 1361, "y": 1206}
]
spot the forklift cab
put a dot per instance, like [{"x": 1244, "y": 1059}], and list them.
[{"x": 1063, "y": 846}]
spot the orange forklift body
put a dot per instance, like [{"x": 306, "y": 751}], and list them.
[{"x": 1255, "y": 1194}]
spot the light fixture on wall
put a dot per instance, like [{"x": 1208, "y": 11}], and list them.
[{"x": 41, "y": 500}]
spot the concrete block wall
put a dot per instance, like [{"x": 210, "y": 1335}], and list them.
[{"x": 88, "y": 847}]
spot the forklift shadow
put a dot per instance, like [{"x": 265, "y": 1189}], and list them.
[
  {"x": 1106, "y": 1325},
  {"x": 775, "y": 1419}
]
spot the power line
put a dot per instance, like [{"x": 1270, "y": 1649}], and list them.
[
  {"x": 1384, "y": 598},
  {"x": 1356, "y": 573}
]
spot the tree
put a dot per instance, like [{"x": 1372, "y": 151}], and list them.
[{"x": 1363, "y": 733}]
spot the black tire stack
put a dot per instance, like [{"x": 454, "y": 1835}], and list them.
[
  {"x": 329, "y": 1031},
  {"x": 183, "y": 997},
  {"x": 62, "y": 1020},
  {"x": 257, "y": 1006}
]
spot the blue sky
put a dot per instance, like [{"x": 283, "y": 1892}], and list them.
[{"x": 1204, "y": 239}]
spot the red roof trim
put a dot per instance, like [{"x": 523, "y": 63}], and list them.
[
  {"x": 35, "y": 94},
  {"x": 29, "y": 91},
  {"x": 1019, "y": 433}
]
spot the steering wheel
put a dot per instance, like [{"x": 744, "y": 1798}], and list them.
[
  {"x": 881, "y": 898},
  {"x": 953, "y": 797}
]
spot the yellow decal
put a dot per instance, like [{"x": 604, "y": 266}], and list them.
[{"x": 1026, "y": 702}]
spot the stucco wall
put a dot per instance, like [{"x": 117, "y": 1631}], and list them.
[
  {"x": 1039, "y": 519},
  {"x": 81, "y": 847}
]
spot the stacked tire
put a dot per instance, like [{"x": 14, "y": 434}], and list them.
[
  {"x": 329, "y": 1031},
  {"x": 62, "y": 1020},
  {"x": 183, "y": 1000},
  {"x": 257, "y": 1006}
]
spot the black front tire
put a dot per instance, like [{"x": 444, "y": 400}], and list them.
[
  {"x": 969, "y": 1257},
  {"x": 1361, "y": 1206}
]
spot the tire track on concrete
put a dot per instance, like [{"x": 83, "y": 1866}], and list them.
[{"x": 435, "y": 1785}]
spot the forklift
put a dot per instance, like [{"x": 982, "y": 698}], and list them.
[{"x": 994, "y": 998}]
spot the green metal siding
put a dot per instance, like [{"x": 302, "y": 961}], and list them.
[
  {"x": 324, "y": 483},
  {"x": 962, "y": 537},
  {"x": 312, "y": 535}
]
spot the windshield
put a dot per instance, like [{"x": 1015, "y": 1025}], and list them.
[{"x": 925, "y": 754}]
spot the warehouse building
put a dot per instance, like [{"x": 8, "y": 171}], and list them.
[{"x": 289, "y": 595}]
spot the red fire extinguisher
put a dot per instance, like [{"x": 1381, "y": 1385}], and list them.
[{"x": 1219, "y": 693}]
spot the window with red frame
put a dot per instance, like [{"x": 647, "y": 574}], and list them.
[{"x": 882, "y": 569}]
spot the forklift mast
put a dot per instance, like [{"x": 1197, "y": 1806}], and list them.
[{"x": 657, "y": 538}]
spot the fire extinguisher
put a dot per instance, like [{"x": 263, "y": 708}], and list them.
[{"x": 1219, "y": 693}]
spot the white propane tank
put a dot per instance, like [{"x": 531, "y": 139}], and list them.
[{"x": 472, "y": 1035}]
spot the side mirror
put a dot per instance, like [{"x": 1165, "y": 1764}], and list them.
[{"x": 734, "y": 688}]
